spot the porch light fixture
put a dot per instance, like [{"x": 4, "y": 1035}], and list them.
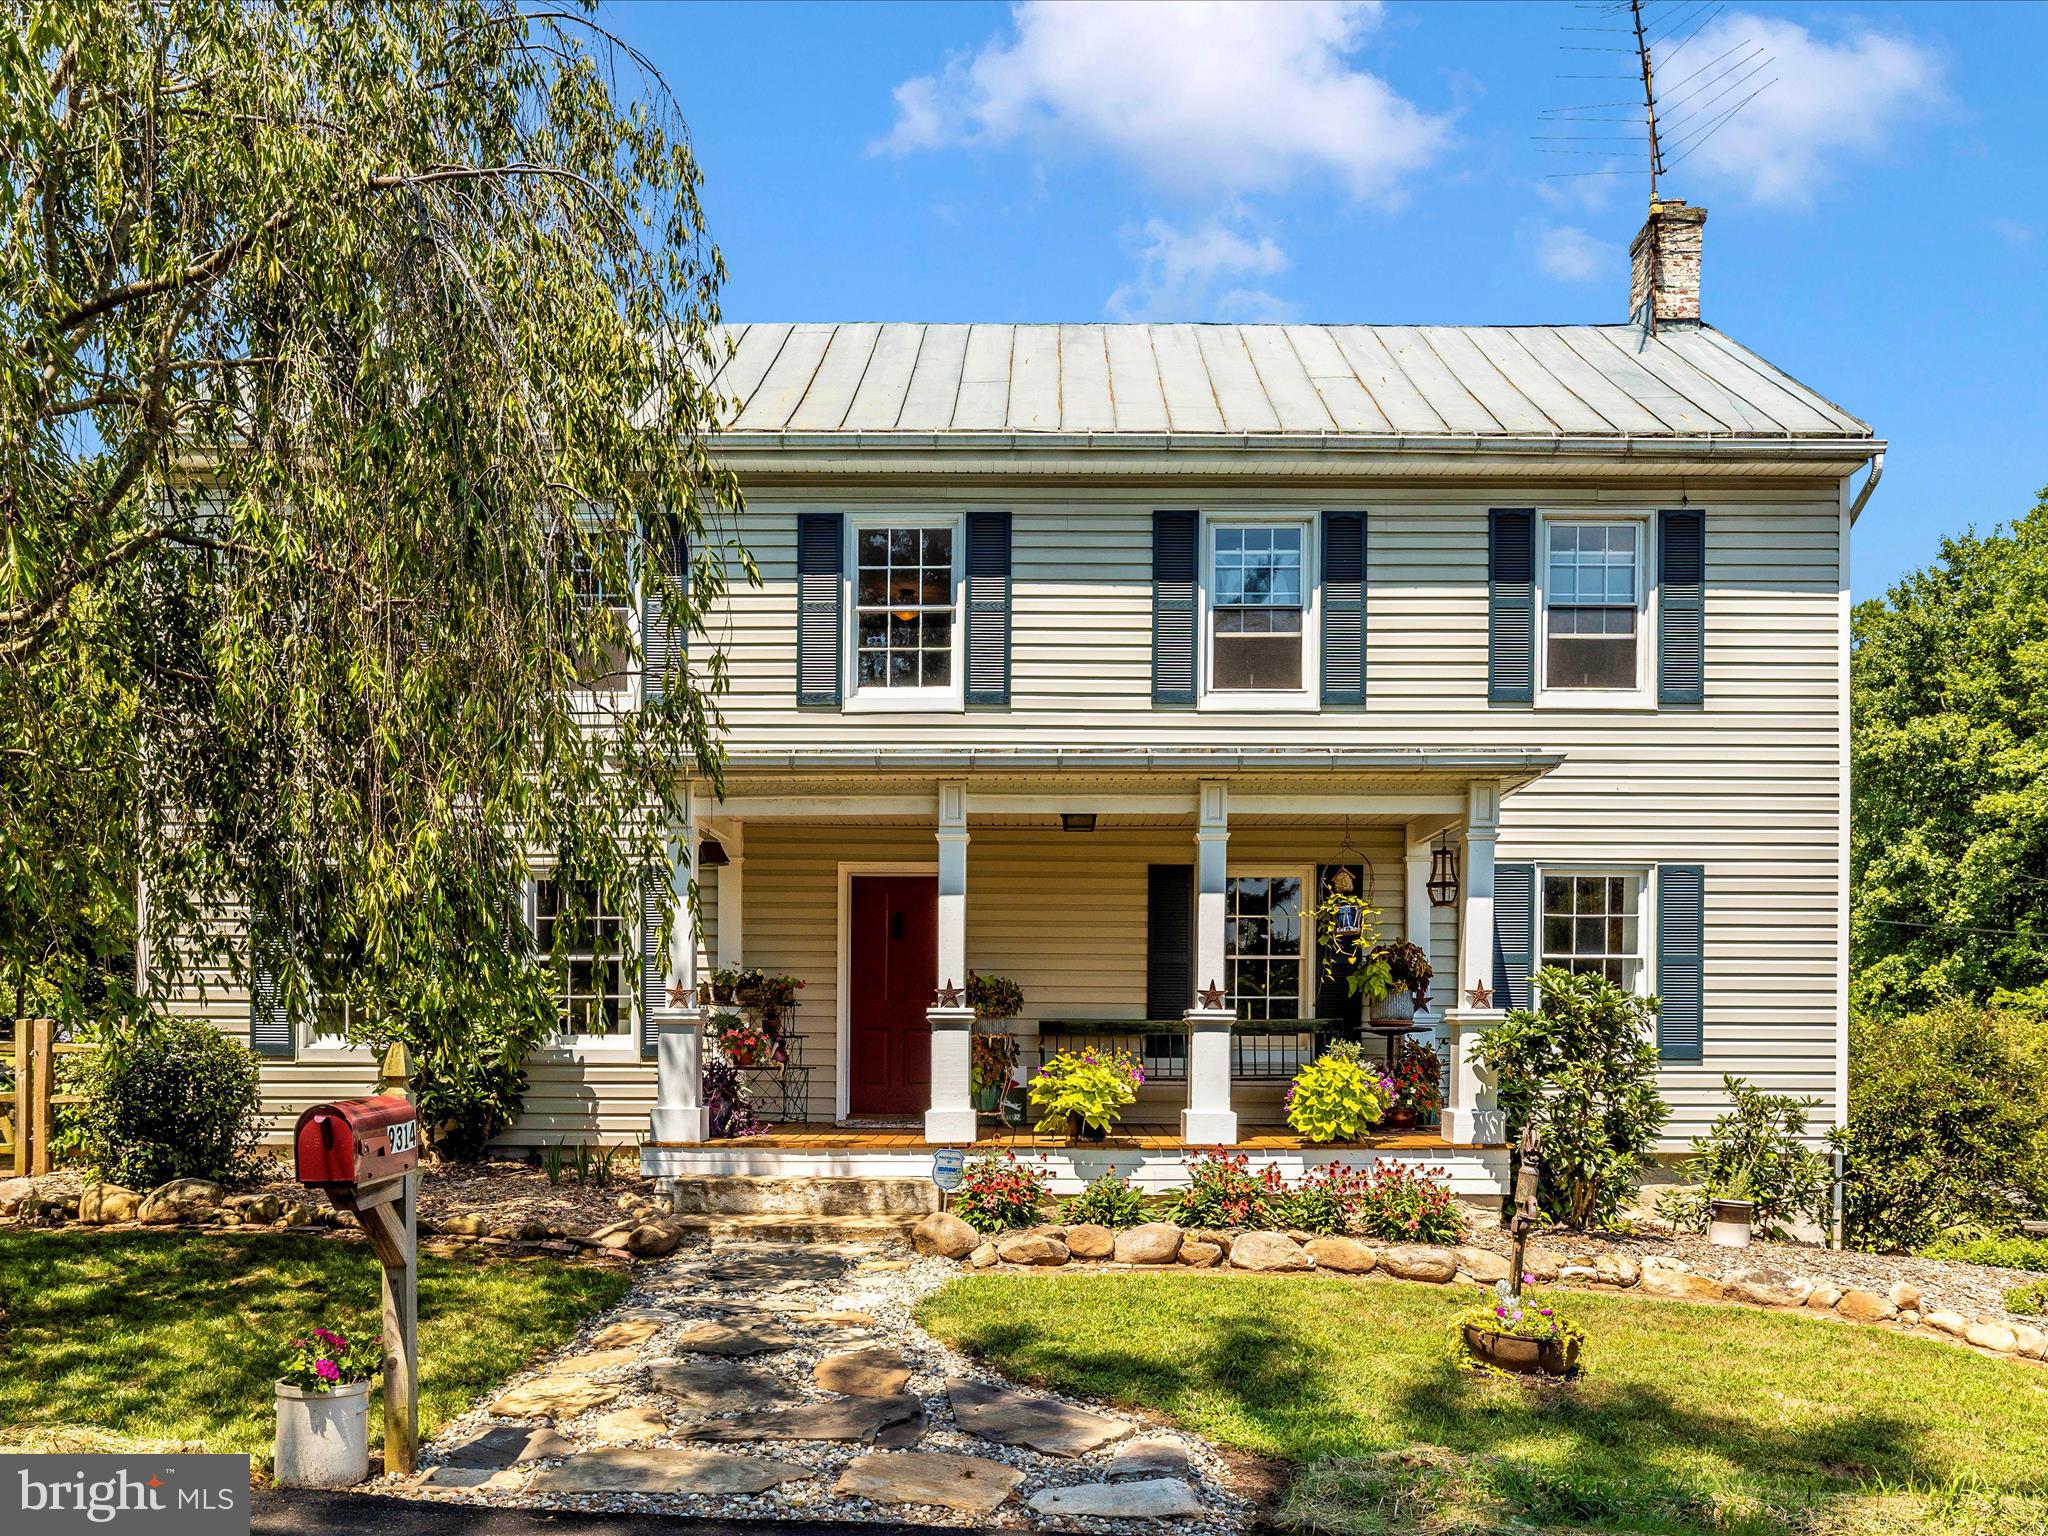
[
  {"x": 1443, "y": 875},
  {"x": 1077, "y": 821},
  {"x": 711, "y": 853}
]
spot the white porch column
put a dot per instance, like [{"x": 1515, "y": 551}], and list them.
[
  {"x": 951, "y": 1116},
  {"x": 1209, "y": 1120},
  {"x": 1418, "y": 918},
  {"x": 1472, "y": 1117},
  {"x": 731, "y": 894},
  {"x": 679, "y": 1111}
]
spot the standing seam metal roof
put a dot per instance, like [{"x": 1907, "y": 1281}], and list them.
[{"x": 1587, "y": 381}]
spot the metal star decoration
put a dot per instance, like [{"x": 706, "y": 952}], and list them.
[
  {"x": 949, "y": 996},
  {"x": 679, "y": 995},
  {"x": 1479, "y": 995},
  {"x": 1212, "y": 998}
]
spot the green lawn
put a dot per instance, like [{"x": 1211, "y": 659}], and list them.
[
  {"x": 174, "y": 1336},
  {"x": 1691, "y": 1418}
]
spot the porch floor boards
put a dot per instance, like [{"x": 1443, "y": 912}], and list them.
[{"x": 1165, "y": 1137}]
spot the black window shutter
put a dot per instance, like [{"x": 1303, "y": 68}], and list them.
[
  {"x": 1169, "y": 940},
  {"x": 1511, "y": 615},
  {"x": 1343, "y": 607},
  {"x": 1514, "y": 933},
  {"x": 662, "y": 639},
  {"x": 1681, "y": 606},
  {"x": 653, "y": 956},
  {"x": 1173, "y": 608},
  {"x": 988, "y": 607},
  {"x": 1334, "y": 997},
  {"x": 820, "y": 557},
  {"x": 270, "y": 1025},
  {"x": 1681, "y": 961}
]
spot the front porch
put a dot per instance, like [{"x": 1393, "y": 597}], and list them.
[{"x": 1118, "y": 889}]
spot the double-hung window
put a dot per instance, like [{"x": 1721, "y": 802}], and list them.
[
  {"x": 1592, "y": 923},
  {"x": 1263, "y": 950},
  {"x": 608, "y": 668},
  {"x": 1257, "y": 607},
  {"x": 1593, "y": 609},
  {"x": 596, "y": 945},
  {"x": 906, "y": 599}
]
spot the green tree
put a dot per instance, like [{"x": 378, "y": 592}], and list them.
[
  {"x": 1949, "y": 840},
  {"x": 359, "y": 364}
]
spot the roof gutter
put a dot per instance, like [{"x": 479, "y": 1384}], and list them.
[
  {"x": 1626, "y": 445},
  {"x": 1869, "y": 484}
]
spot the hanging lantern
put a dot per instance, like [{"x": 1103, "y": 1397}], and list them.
[
  {"x": 1443, "y": 875},
  {"x": 1342, "y": 883}
]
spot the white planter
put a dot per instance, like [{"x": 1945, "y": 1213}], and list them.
[
  {"x": 1728, "y": 1224},
  {"x": 323, "y": 1438}
]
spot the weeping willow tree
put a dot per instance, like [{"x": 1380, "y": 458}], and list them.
[{"x": 361, "y": 366}]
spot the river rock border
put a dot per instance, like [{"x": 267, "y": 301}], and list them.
[{"x": 1158, "y": 1245}]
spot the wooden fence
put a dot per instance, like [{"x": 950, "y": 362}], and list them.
[{"x": 28, "y": 1123}]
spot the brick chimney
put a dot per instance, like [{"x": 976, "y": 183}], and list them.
[{"x": 1664, "y": 265}]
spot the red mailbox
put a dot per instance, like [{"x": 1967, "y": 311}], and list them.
[{"x": 352, "y": 1143}]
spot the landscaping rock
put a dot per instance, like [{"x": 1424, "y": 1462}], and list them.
[
  {"x": 1418, "y": 1261},
  {"x": 1483, "y": 1264},
  {"x": 1866, "y": 1307},
  {"x": 1042, "y": 1424},
  {"x": 504, "y": 1445},
  {"x": 1156, "y": 1242},
  {"x": 463, "y": 1226},
  {"x": 1091, "y": 1241},
  {"x": 1662, "y": 1278},
  {"x": 1769, "y": 1288},
  {"x": 591, "y": 1362},
  {"x": 893, "y": 1421},
  {"x": 490, "y": 1479},
  {"x": 664, "y": 1471},
  {"x": 1150, "y": 1458},
  {"x": 1948, "y": 1322},
  {"x": 630, "y": 1425},
  {"x": 1616, "y": 1269},
  {"x": 1222, "y": 1240},
  {"x": 1344, "y": 1255},
  {"x": 1163, "y": 1498},
  {"x": 1272, "y": 1252},
  {"x": 1031, "y": 1248},
  {"x": 180, "y": 1200},
  {"x": 974, "y": 1483},
  {"x": 1905, "y": 1297},
  {"x": 717, "y": 1386},
  {"x": 1994, "y": 1336},
  {"x": 1824, "y": 1296},
  {"x": 554, "y": 1397},
  {"x": 945, "y": 1235},
  {"x": 259, "y": 1207},
  {"x": 630, "y": 1329},
  {"x": 1201, "y": 1255},
  {"x": 733, "y": 1342},
  {"x": 101, "y": 1203},
  {"x": 1541, "y": 1265},
  {"x": 872, "y": 1372},
  {"x": 653, "y": 1240},
  {"x": 983, "y": 1257},
  {"x": 2029, "y": 1341}
]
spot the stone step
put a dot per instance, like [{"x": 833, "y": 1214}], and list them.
[
  {"x": 795, "y": 1227},
  {"x": 737, "y": 1195}
]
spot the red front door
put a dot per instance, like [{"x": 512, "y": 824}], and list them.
[{"x": 895, "y": 939}]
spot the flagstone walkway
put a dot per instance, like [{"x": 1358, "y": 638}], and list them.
[{"x": 771, "y": 1381}]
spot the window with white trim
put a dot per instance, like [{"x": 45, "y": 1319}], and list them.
[
  {"x": 906, "y": 621},
  {"x": 1593, "y": 604},
  {"x": 1592, "y": 923},
  {"x": 1258, "y": 574},
  {"x": 1263, "y": 931},
  {"x": 597, "y": 985},
  {"x": 610, "y": 668}
]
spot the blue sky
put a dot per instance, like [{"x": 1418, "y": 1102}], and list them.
[{"x": 1878, "y": 217}]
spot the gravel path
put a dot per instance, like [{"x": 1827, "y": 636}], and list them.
[{"x": 828, "y": 1301}]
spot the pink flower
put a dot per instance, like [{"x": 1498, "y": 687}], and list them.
[{"x": 328, "y": 1370}]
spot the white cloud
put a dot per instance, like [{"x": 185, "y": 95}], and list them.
[
  {"x": 1828, "y": 101},
  {"x": 1224, "y": 97},
  {"x": 1180, "y": 269},
  {"x": 1569, "y": 254}
]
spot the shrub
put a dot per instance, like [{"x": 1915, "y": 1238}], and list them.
[
  {"x": 1948, "y": 1123},
  {"x": 725, "y": 1100},
  {"x": 1583, "y": 1063},
  {"x": 173, "y": 1099},
  {"x": 1336, "y": 1097},
  {"x": 1405, "y": 1204},
  {"x": 1325, "y": 1201},
  {"x": 1999, "y": 1252},
  {"x": 1222, "y": 1191},
  {"x": 998, "y": 1192},
  {"x": 2029, "y": 1300},
  {"x": 1094, "y": 1086},
  {"x": 1757, "y": 1152},
  {"x": 1108, "y": 1202}
]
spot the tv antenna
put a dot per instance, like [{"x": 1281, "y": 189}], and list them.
[{"x": 1649, "y": 45}]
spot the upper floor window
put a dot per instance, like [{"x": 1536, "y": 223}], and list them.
[
  {"x": 609, "y": 668},
  {"x": 906, "y": 598},
  {"x": 1258, "y": 585},
  {"x": 597, "y": 943},
  {"x": 1593, "y": 604}
]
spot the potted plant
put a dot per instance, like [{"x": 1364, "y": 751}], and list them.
[
  {"x": 743, "y": 1042},
  {"x": 1336, "y": 1097},
  {"x": 1399, "y": 975},
  {"x": 1417, "y": 1086},
  {"x": 748, "y": 986},
  {"x": 1730, "y": 1211},
  {"x": 994, "y": 1059},
  {"x": 1082, "y": 1093},
  {"x": 1519, "y": 1335},
  {"x": 323, "y": 1410},
  {"x": 994, "y": 998}
]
